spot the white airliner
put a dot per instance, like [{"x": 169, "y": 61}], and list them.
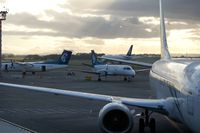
[
  {"x": 128, "y": 56},
  {"x": 42, "y": 66},
  {"x": 177, "y": 86},
  {"x": 101, "y": 69}
]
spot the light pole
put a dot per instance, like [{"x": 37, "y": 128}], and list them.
[{"x": 2, "y": 18}]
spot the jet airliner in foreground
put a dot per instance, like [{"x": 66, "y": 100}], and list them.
[
  {"x": 42, "y": 66},
  {"x": 177, "y": 87},
  {"x": 101, "y": 69}
]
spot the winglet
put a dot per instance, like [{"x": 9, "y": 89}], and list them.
[
  {"x": 164, "y": 47},
  {"x": 129, "y": 53}
]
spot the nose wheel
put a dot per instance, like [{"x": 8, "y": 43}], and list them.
[
  {"x": 146, "y": 121},
  {"x": 99, "y": 77}
]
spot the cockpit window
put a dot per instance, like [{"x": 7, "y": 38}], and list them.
[{"x": 127, "y": 68}]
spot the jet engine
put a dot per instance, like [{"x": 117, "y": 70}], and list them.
[{"x": 115, "y": 118}]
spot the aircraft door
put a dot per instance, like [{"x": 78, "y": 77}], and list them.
[{"x": 43, "y": 68}]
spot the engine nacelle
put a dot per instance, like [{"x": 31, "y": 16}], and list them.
[{"x": 115, "y": 118}]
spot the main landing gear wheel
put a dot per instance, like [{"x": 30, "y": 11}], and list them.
[
  {"x": 99, "y": 78},
  {"x": 33, "y": 73},
  {"x": 152, "y": 125},
  {"x": 146, "y": 121},
  {"x": 141, "y": 125}
]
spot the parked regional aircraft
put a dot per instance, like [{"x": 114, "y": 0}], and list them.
[
  {"x": 177, "y": 86},
  {"x": 43, "y": 66},
  {"x": 128, "y": 56},
  {"x": 101, "y": 69}
]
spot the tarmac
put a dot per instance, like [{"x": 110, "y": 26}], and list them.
[
  {"x": 9, "y": 127},
  {"x": 47, "y": 113}
]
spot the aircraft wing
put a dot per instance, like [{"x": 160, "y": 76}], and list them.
[
  {"x": 142, "y": 70},
  {"x": 156, "y": 105},
  {"x": 87, "y": 71},
  {"x": 129, "y": 62}
]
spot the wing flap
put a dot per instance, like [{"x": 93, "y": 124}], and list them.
[{"x": 156, "y": 105}]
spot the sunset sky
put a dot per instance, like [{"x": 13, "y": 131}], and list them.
[{"x": 107, "y": 26}]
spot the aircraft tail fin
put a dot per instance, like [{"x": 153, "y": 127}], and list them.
[
  {"x": 94, "y": 58},
  {"x": 65, "y": 57},
  {"x": 129, "y": 53},
  {"x": 164, "y": 47}
]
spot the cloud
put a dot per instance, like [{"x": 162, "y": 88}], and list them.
[
  {"x": 3, "y": 2},
  {"x": 80, "y": 26},
  {"x": 107, "y": 19}
]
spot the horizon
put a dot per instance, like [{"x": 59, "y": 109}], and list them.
[{"x": 77, "y": 54}]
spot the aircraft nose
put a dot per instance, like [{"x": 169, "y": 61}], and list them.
[{"x": 133, "y": 73}]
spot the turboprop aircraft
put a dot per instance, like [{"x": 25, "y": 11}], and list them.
[
  {"x": 101, "y": 69},
  {"x": 177, "y": 87},
  {"x": 41, "y": 66}
]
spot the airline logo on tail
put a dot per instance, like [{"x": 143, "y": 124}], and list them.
[
  {"x": 65, "y": 57},
  {"x": 94, "y": 58}
]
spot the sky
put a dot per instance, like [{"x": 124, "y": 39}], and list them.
[{"x": 107, "y": 26}]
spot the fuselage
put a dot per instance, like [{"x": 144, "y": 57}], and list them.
[
  {"x": 121, "y": 70},
  {"x": 31, "y": 67},
  {"x": 124, "y": 57},
  {"x": 179, "y": 80}
]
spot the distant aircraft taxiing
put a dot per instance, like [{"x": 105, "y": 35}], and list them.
[
  {"x": 128, "y": 56},
  {"x": 177, "y": 87},
  {"x": 125, "y": 59},
  {"x": 41, "y": 66},
  {"x": 101, "y": 69}
]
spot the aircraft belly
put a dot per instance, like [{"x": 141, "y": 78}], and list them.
[{"x": 193, "y": 113}]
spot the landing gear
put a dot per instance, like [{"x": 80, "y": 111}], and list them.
[
  {"x": 141, "y": 125},
  {"x": 146, "y": 121},
  {"x": 6, "y": 68},
  {"x": 125, "y": 78},
  {"x": 33, "y": 73},
  {"x": 23, "y": 74},
  {"x": 99, "y": 78},
  {"x": 152, "y": 125}
]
